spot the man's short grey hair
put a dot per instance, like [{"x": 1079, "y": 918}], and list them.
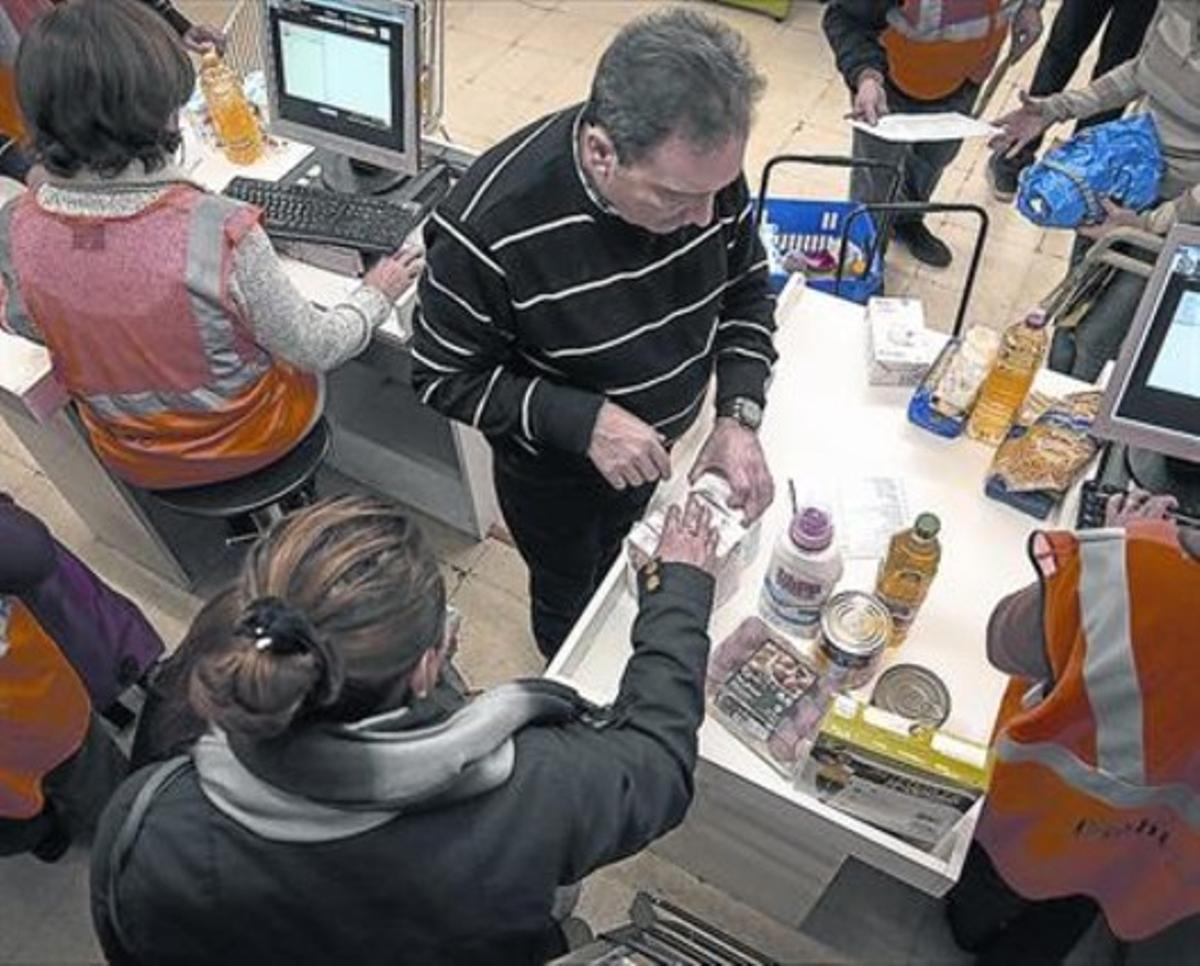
[{"x": 674, "y": 71}]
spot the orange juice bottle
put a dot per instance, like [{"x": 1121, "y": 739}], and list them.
[
  {"x": 232, "y": 116},
  {"x": 907, "y": 571},
  {"x": 1008, "y": 383}
]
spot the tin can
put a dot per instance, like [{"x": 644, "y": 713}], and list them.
[
  {"x": 855, "y": 629},
  {"x": 913, "y": 692}
]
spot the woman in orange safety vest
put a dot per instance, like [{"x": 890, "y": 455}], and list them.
[
  {"x": 1094, "y": 806},
  {"x": 169, "y": 320}
]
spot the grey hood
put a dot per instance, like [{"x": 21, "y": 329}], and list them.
[{"x": 330, "y": 782}]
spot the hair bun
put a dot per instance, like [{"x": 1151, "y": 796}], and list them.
[{"x": 276, "y": 626}]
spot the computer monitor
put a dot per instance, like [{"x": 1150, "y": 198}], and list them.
[
  {"x": 1152, "y": 403},
  {"x": 342, "y": 75}
]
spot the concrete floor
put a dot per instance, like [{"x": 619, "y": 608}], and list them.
[{"x": 510, "y": 61}]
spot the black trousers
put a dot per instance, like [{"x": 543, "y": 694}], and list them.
[
  {"x": 1004, "y": 928},
  {"x": 1074, "y": 28},
  {"x": 568, "y": 525}
]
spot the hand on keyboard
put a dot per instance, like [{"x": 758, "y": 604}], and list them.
[
  {"x": 393, "y": 274},
  {"x": 1137, "y": 504}
]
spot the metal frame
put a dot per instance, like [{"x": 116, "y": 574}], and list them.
[
  {"x": 1108, "y": 424},
  {"x": 928, "y": 208},
  {"x": 831, "y": 161}
]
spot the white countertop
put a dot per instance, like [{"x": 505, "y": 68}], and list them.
[{"x": 824, "y": 422}]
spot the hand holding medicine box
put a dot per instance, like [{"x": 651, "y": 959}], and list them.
[
  {"x": 912, "y": 781},
  {"x": 900, "y": 349},
  {"x": 736, "y": 543}
]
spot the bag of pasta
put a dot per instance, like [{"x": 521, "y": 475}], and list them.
[{"x": 1047, "y": 448}]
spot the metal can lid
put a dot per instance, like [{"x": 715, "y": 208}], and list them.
[
  {"x": 913, "y": 692},
  {"x": 856, "y": 624}
]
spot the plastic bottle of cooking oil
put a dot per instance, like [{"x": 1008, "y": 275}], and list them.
[
  {"x": 1008, "y": 383},
  {"x": 907, "y": 571},
  {"x": 232, "y": 116}
]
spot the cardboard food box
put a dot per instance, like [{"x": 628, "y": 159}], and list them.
[
  {"x": 900, "y": 349},
  {"x": 913, "y": 782}
]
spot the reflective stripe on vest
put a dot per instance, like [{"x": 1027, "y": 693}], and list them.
[
  {"x": 934, "y": 21},
  {"x": 1089, "y": 781},
  {"x": 16, "y": 316},
  {"x": 1109, "y": 673},
  {"x": 230, "y": 374}
]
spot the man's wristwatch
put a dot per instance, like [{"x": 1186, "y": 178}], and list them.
[{"x": 746, "y": 411}]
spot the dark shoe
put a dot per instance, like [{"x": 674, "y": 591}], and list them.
[
  {"x": 53, "y": 845},
  {"x": 924, "y": 245},
  {"x": 1003, "y": 178}
]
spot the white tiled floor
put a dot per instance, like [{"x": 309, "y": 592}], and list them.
[{"x": 508, "y": 62}]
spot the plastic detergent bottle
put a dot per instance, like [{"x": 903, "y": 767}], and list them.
[
  {"x": 907, "y": 572},
  {"x": 805, "y": 567},
  {"x": 232, "y": 116},
  {"x": 1007, "y": 385}
]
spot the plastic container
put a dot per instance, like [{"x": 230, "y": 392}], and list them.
[
  {"x": 233, "y": 119},
  {"x": 819, "y": 224},
  {"x": 1008, "y": 383},
  {"x": 805, "y": 567},
  {"x": 907, "y": 572},
  {"x": 944, "y": 399}
]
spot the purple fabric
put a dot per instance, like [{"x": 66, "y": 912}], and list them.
[{"x": 100, "y": 632}]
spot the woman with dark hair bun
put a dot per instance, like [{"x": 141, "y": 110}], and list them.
[{"x": 335, "y": 797}]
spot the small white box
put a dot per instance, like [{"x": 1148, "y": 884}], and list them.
[{"x": 900, "y": 349}]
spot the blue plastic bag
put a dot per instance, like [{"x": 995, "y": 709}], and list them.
[{"x": 1121, "y": 160}]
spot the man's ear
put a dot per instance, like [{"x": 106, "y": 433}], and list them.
[{"x": 598, "y": 152}]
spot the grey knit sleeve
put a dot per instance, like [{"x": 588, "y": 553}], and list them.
[
  {"x": 1106, "y": 93},
  {"x": 290, "y": 327}
]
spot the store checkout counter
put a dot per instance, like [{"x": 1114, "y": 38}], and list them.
[
  {"x": 749, "y": 831},
  {"x": 383, "y": 438}
]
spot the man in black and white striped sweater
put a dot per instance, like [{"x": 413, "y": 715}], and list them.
[{"x": 585, "y": 280}]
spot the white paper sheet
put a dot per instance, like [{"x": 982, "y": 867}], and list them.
[{"x": 947, "y": 126}]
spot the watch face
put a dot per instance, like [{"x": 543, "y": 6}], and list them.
[{"x": 748, "y": 413}]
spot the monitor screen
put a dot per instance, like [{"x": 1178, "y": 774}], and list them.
[
  {"x": 1154, "y": 398},
  {"x": 340, "y": 77}
]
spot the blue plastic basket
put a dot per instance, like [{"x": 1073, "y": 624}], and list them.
[{"x": 824, "y": 220}]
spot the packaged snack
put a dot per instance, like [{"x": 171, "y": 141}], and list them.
[
  {"x": 766, "y": 692},
  {"x": 912, "y": 781},
  {"x": 1046, "y": 450}
]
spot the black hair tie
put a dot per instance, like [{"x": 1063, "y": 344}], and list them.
[{"x": 276, "y": 627}]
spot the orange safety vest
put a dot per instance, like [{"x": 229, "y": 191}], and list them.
[
  {"x": 145, "y": 336},
  {"x": 44, "y": 713},
  {"x": 935, "y": 46},
  {"x": 1096, "y": 787}
]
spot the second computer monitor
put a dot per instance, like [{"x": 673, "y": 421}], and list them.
[{"x": 343, "y": 76}]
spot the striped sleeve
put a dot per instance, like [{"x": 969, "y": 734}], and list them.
[
  {"x": 745, "y": 339},
  {"x": 464, "y": 364}
]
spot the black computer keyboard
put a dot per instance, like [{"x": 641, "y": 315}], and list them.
[
  {"x": 369, "y": 225},
  {"x": 1093, "y": 504}
]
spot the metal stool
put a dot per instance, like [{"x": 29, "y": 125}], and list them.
[{"x": 261, "y": 495}]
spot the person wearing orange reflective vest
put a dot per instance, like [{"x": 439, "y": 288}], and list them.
[
  {"x": 68, "y": 644},
  {"x": 914, "y": 57},
  {"x": 169, "y": 320},
  {"x": 1094, "y": 805}
]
